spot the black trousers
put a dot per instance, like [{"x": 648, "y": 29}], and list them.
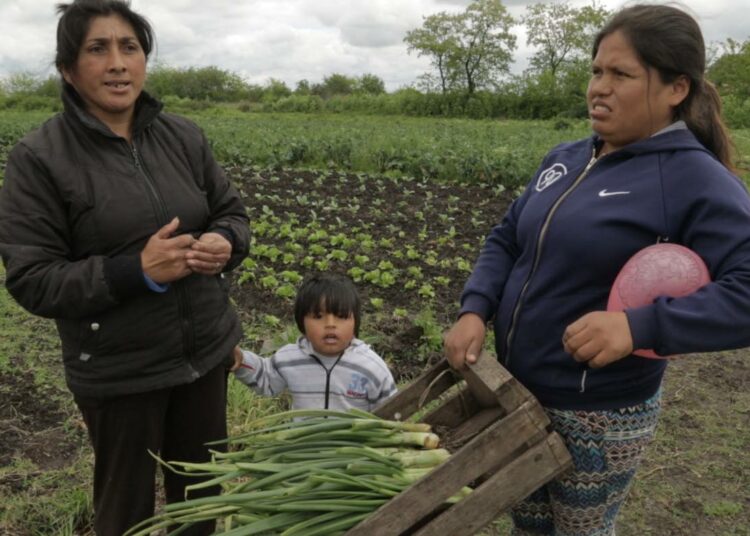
[{"x": 176, "y": 423}]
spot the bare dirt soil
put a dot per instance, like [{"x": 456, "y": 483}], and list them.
[{"x": 31, "y": 426}]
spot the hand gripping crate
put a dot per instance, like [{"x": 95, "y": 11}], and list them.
[{"x": 501, "y": 445}]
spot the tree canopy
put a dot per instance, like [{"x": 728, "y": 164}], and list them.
[
  {"x": 731, "y": 71},
  {"x": 470, "y": 50},
  {"x": 197, "y": 83},
  {"x": 562, "y": 34}
]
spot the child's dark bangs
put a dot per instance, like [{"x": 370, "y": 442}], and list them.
[{"x": 338, "y": 301}]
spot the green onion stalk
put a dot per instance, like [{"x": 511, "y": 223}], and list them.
[{"x": 303, "y": 473}]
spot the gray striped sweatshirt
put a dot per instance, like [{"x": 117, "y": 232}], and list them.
[{"x": 358, "y": 379}]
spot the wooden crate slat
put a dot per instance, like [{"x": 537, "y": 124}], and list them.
[
  {"x": 454, "y": 410},
  {"x": 491, "y": 384},
  {"x": 474, "y": 459},
  {"x": 537, "y": 465},
  {"x": 478, "y": 422},
  {"x": 424, "y": 389},
  {"x": 485, "y": 377}
]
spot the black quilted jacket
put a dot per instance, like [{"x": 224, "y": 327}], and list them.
[{"x": 77, "y": 207}]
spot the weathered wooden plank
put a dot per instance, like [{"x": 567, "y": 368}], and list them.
[
  {"x": 454, "y": 410},
  {"x": 485, "y": 377},
  {"x": 474, "y": 459},
  {"x": 424, "y": 389},
  {"x": 477, "y": 422},
  {"x": 536, "y": 466},
  {"x": 489, "y": 383},
  {"x": 512, "y": 394},
  {"x": 493, "y": 385}
]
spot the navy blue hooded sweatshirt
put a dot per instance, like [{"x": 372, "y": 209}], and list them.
[{"x": 557, "y": 251}]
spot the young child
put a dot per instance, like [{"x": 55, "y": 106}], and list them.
[{"x": 328, "y": 367}]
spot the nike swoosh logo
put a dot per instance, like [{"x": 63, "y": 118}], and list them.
[{"x": 605, "y": 193}]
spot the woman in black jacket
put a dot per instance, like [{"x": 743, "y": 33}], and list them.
[{"x": 116, "y": 221}]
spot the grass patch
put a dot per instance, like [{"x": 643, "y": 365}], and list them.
[{"x": 45, "y": 476}]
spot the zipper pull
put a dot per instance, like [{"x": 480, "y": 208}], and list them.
[{"x": 136, "y": 160}]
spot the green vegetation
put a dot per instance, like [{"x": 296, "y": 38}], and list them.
[
  {"x": 501, "y": 153},
  {"x": 306, "y": 472},
  {"x": 47, "y": 489},
  {"x": 494, "y": 152},
  {"x": 211, "y": 84},
  {"x": 469, "y": 50},
  {"x": 731, "y": 74}
]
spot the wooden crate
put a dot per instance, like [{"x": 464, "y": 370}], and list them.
[{"x": 499, "y": 437}]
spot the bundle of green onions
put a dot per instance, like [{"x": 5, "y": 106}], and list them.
[{"x": 305, "y": 473}]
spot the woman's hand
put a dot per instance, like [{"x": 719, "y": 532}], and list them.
[
  {"x": 464, "y": 340},
  {"x": 599, "y": 338},
  {"x": 209, "y": 254},
  {"x": 164, "y": 259}
]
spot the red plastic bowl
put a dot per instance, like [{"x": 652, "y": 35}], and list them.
[{"x": 659, "y": 270}]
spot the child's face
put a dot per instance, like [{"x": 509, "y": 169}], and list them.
[{"x": 329, "y": 334}]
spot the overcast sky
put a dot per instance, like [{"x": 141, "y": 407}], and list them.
[{"x": 292, "y": 40}]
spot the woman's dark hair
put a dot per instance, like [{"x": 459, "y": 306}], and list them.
[
  {"x": 327, "y": 293},
  {"x": 75, "y": 21},
  {"x": 670, "y": 40}
]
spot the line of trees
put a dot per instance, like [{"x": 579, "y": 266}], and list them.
[
  {"x": 468, "y": 50},
  {"x": 470, "y": 54},
  {"x": 210, "y": 84},
  {"x": 217, "y": 85},
  {"x": 474, "y": 49}
]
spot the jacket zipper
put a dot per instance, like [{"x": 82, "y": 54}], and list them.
[
  {"x": 182, "y": 300},
  {"x": 328, "y": 375},
  {"x": 151, "y": 186},
  {"x": 538, "y": 254}
]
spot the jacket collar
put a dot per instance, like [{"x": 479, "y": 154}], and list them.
[
  {"x": 676, "y": 136},
  {"x": 147, "y": 108}
]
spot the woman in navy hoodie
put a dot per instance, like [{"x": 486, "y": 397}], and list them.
[{"x": 657, "y": 169}]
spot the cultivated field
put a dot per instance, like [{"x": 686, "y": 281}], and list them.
[{"x": 401, "y": 204}]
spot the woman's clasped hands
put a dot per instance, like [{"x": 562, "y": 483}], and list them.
[{"x": 168, "y": 258}]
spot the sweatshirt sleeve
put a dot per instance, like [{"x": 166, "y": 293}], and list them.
[
  {"x": 484, "y": 288},
  {"x": 35, "y": 243},
  {"x": 260, "y": 374},
  {"x": 709, "y": 212}
]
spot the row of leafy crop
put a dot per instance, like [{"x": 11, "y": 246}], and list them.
[
  {"x": 532, "y": 104},
  {"x": 284, "y": 248},
  {"x": 406, "y": 242},
  {"x": 496, "y": 152},
  {"x": 448, "y": 149}
]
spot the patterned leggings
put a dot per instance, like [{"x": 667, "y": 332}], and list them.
[{"x": 606, "y": 447}]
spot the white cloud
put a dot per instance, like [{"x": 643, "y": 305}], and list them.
[{"x": 27, "y": 43}]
